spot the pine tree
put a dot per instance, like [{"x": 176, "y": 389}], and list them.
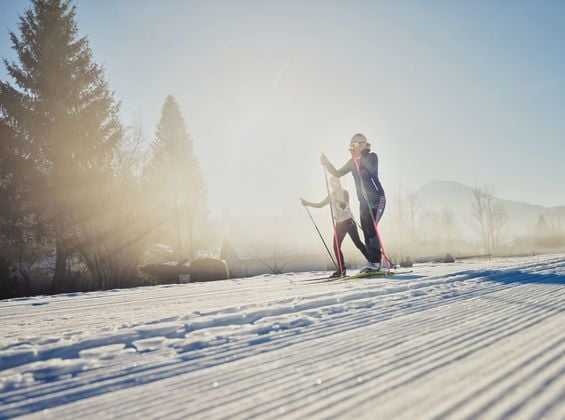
[
  {"x": 177, "y": 183},
  {"x": 542, "y": 227},
  {"x": 62, "y": 115},
  {"x": 23, "y": 226}
]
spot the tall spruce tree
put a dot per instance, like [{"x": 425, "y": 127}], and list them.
[
  {"x": 23, "y": 225},
  {"x": 177, "y": 182},
  {"x": 61, "y": 114}
]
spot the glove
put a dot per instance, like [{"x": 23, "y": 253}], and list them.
[
  {"x": 303, "y": 201},
  {"x": 324, "y": 160}
]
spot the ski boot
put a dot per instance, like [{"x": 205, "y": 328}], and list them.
[
  {"x": 338, "y": 274},
  {"x": 371, "y": 267}
]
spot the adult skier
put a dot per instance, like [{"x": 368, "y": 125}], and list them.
[
  {"x": 344, "y": 222},
  {"x": 364, "y": 166}
]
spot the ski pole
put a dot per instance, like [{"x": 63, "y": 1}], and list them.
[
  {"x": 321, "y": 237},
  {"x": 337, "y": 250}
]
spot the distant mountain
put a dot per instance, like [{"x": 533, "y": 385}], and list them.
[{"x": 437, "y": 195}]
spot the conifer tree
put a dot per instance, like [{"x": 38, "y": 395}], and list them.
[
  {"x": 177, "y": 183},
  {"x": 62, "y": 116}
]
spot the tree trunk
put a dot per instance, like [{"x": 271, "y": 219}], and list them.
[{"x": 59, "y": 284}]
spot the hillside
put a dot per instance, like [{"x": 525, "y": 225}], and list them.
[{"x": 437, "y": 195}]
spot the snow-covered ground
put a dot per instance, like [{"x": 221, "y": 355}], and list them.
[{"x": 472, "y": 339}]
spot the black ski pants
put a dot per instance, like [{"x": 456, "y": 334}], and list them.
[
  {"x": 341, "y": 229},
  {"x": 368, "y": 222}
]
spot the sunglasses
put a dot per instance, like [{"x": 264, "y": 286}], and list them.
[{"x": 356, "y": 144}]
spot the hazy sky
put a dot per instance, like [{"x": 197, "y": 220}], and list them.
[{"x": 472, "y": 92}]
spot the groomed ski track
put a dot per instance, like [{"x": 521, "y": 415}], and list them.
[{"x": 474, "y": 339}]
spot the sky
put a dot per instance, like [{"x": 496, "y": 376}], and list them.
[{"x": 472, "y": 92}]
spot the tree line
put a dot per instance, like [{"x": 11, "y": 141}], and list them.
[
  {"x": 81, "y": 198},
  {"x": 417, "y": 231}
]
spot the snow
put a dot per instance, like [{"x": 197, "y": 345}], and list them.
[{"x": 474, "y": 339}]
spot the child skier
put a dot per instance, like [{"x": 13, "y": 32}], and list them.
[
  {"x": 344, "y": 222},
  {"x": 364, "y": 165}
]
